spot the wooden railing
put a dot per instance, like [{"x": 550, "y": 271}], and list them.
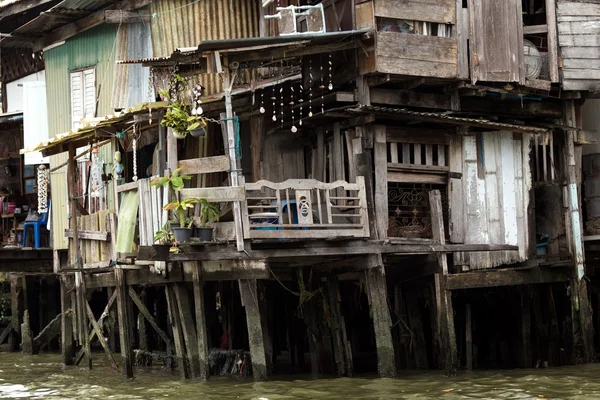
[{"x": 305, "y": 209}]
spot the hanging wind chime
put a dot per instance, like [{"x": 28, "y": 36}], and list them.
[
  {"x": 294, "y": 129},
  {"x": 134, "y": 149},
  {"x": 262, "y": 102},
  {"x": 94, "y": 178},
  {"x": 310, "y": 86},
  {"x": 273, "y": 98},
  {"x": 301, "y": 100},
  {"x": 42, "y": 188}
]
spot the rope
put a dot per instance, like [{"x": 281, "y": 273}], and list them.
[{"x": 238, "y": 140}]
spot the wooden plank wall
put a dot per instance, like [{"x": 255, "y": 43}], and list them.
[
  {"x": 578, "y": 28},
  {"x": 495, "y": 189},
  {"x": 441, "y": 11}
]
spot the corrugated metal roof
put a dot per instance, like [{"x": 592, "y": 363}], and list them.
[
  {"x": 182, "y": 23},
  {"x": 63, "y": 13},
  {"x": 89, "y": 127},
  {"x": 447, "y": 119}
]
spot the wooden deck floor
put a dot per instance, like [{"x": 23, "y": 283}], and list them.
[{"x": 26, "y": 260}]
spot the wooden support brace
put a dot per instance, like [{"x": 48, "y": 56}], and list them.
[
  {"x": 100, "y": 336},
  {"x": 200, "y": 321},
  {"x": 255, "y": 333},
  {"x": 178, "y": 340},
  {"x": 188, "y": 329},
  {"x": 445, "y": 312},
  {"x": 146, "y": 314},
  {"x": 382, "y": 320}
]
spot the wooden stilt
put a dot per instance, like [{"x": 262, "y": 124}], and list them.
[
  {"x": 382, "y": 321},
  {"x": 188, "y": 329},
  {"x": 142, "y": 331},
  {"x": 525, "y": 361},
  {"x": 468, "y": 339},
  {"x": 268, "y": 342},
  {"x": 16, "y": 306},
  {"x": 201, "y": 330},
  {"x": 416, "y": 334},
  {"x": 111, "y": 320},
  {"x": 249, "y": 297},
  {"x": 26, "y": 335},
  {"x": 66, "y": 322},
  {"x": 554, "y": 332},
  {"x": 446, "y": 333},
  {"x": 178, "y": 340},
  {"x": 46, "y": 335},
  {"x": 337, "y": 328},
  {"x": 146, "y": 313},
  {"x": 122, "y": 309}
]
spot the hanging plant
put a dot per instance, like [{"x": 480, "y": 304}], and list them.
[{"x": 177, "y": 116}]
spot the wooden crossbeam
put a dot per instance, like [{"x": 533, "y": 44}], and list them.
[
  {"x": 144, "y": 311},
  {"x": 102, "y": 236},
  {"x": 506, "y": 277},
  {"x": 205, "y": 165},
  {"x": 100, "y": 336},
  {"x": 93, "y": 333}
]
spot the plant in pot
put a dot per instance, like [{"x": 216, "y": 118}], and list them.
[
  {"x": 183, "y": 232},
  {"x": 209, "y": 213},
  {"x": 181, "y": 227},
  {"x": 165, "y": 236},
  {"x": 177, "y": 116}
]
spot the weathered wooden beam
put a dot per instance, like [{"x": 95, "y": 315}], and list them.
[
  {"x": 124, "y": 17},
  {"x": 382, "y": 320},
  {"x": 20, "y": 7},
  {"x": 97, "y": 18},
  {"x": 250, "y": 301},
  {"x": 100, "y": 335},
  {"x": 146, "y": 313},
  {"x": 205, "y": 165},
  {"x": 124, "y": 327},
  {"x": 201, "y": 330},
  {"x": 46, "y": 335},
  {"x": 346, "y": 248},
  {"x": 188, "y": 329},
  {"x": 26, "y": 266},
  {"x": 410, "y": 98},
  {"x": 102, "y": 236},
  {"x": 506, "y": 277},
  {"x": 178, "y": 340}
]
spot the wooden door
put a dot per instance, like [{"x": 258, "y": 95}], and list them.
[{"x": 496, "y": 41}]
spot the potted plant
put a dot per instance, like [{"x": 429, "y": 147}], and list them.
[
  {"x": 209, "y": 213},
  {"x": 165, "y": 236},
  {"x": 177, "y": 116},
  {"x": 183, "y": 232}
]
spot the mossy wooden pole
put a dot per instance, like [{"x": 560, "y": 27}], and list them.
[
  {"x": 382, "y": 320},
  {"x": 201, "y": 331},
  {"x": 445, "y": 311},
  {"x": 66, "y": 320},
  {"x": 249, "y": 297}
]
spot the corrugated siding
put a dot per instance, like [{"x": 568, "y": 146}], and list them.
[
  {"x": 178, "y": 24},
  {"x": 578, "y": 27},
  {"x": 496, "y": 182},
  {"x": 95, "y": 47},
  {"x": 134, "y": 42}
]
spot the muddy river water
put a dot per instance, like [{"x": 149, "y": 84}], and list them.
[{"x": 42, "y": 377}]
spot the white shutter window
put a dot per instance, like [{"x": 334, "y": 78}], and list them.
[
  {"x": 89, "y": 91},
  {"x": 83, "y": 96},
  {"x": 76, "y": 99}
]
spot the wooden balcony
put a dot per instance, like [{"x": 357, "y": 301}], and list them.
[{"x": 305, "y": 209}]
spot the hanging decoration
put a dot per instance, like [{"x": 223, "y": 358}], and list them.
[
  {"x": 281, "y": 104},
  {"x": 330, "y": 87},
  {"x": 197, "y": 93},
  {"x": 273, "y": 98},
  {"x": 310, "y": 86},
  {"x": 42, "y": 188},
  {"x": 301, "y": 100},
  {"x": 134, "y": 150},
  {"x": 150, "y": 92},
  {"x": 262, "y": 102},
  {"x": 94, "y": 173},
  {"x": 294, "y": 129},
  {"x": 118, "y": 167},
  {"x": 322, "y": 85}
]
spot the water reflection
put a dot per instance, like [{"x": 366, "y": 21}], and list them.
[{"x": 42, "y": 377}]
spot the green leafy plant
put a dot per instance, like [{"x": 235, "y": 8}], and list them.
[
  {"x": 180, "y": 209},
  {"x": 175, "y": 181},
  {"x": 177, "y": 116},
  {"x": 209, "y": 212},
  {"x": 164, "y": 235}
]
